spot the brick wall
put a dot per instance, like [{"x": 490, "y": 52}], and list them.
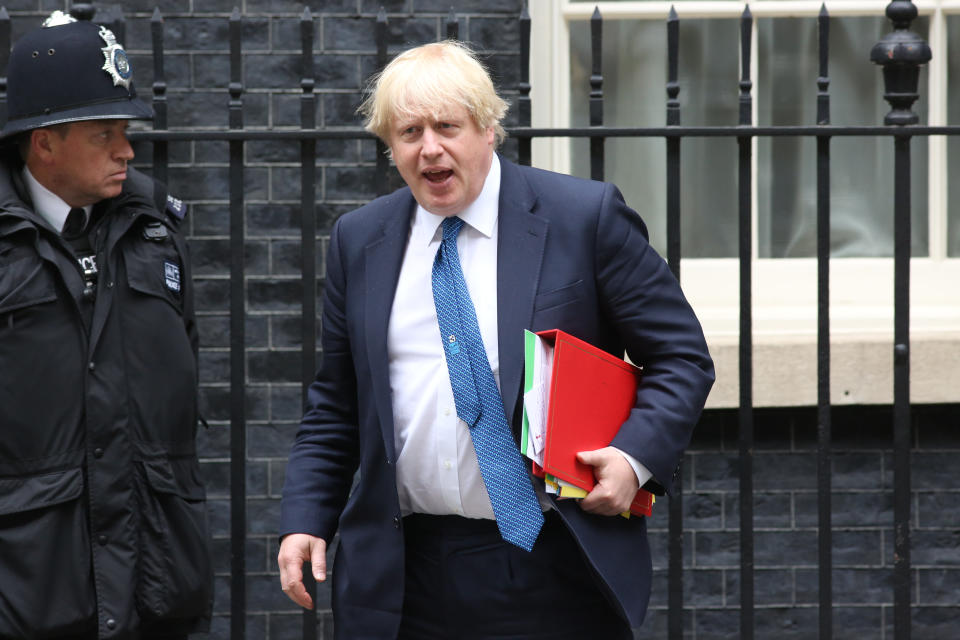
[
  {"x": 785, "y": 520},
  {"x": 197, "y": 69}
]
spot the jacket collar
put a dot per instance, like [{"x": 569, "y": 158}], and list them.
[{"x": 15, "y": 204}]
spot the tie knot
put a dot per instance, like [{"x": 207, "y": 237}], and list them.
[
  {"x": 75, "y": 223},
  {"x": 451, "y": 227}
]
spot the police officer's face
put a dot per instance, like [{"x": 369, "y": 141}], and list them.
[{"x": 89, "y": 163}]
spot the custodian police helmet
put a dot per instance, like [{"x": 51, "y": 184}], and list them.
[{"x": 69, "y": 70}]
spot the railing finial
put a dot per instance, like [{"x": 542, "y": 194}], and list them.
[
  {"x": 901, "y": 53},
  {"x": 453, "y": 26},
  {"x": 82, "y": 10}
]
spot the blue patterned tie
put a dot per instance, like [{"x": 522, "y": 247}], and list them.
[{"x": 478, "y": 401}]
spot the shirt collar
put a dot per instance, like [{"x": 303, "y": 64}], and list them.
[
  {"x": 47, "y": 204},
  {"x": 481, "y": 214}
]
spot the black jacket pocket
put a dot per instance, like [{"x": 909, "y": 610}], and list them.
[
  {"x": 175, "y": 574},
  {"x": 44, "y": 556},
  {"x": 155, "y": 269},
  {"x": 559, "y": 296},
  {"x": 23, "y": 283}
]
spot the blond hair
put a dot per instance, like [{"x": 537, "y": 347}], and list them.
[{"x": 426, "y": 80}]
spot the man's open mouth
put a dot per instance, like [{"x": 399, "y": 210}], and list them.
[{"x": 437, "y": 175}]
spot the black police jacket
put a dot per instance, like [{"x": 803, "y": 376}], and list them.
[{"x": 102, "y": 511}]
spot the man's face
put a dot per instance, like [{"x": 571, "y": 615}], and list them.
[
  {"x": 89, "y": 164},
  {"x": 443, "y": 161}
]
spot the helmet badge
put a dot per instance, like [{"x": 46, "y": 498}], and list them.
[{"x": 116, "y": 62}]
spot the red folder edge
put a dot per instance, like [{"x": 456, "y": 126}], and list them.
[{"x": 581, "y": 374}]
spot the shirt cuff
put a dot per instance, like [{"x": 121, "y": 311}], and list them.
[{"x": 643, "y": 474}]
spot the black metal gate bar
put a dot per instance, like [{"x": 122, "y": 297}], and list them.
[
  {"x": 308, "y": 259},
  {"x": 675, "y": 527},
  {"x": 689, "y": 131},
  {"x": 453, "y": 26},
  {"x": 901, "y": 53},
  {"x": 524, "y": 144},
  {"x": 901, "y": 389},
  {"x": 118, "y": 25},
  {"x": 824, "y": 451},
  {"x": 746, "y": 335},
  {"x": 596, "y": 94},
  {"x": 380, "y": 36},
  {"x": 160, "y": 158},
  {"x": 238, "y": 426}
]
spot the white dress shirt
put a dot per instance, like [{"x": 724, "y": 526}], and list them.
[
  {"x": 47, "y": 204},
  {"x": 437, "y": 470}
]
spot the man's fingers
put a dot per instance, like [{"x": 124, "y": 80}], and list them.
[
  {"x": 588, "y": 457},
  {"x": 291, "y": 581},
  {"x": 600, "y": 501},
  {"x": 295, "y": 550},
  {"x": 295, "y": 590},
  {"x": 616, "y": 482},
  {"x": 318, "y": 560}
]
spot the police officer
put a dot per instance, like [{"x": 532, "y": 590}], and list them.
[{"x": 103, "y": 528}]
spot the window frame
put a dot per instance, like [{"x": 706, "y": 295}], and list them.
[{"x": 784, "y": 326}]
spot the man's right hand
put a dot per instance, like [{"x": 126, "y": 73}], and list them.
[{"x": 296, "y": 549}]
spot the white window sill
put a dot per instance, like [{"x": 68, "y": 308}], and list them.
[{"x": 785, "y": 329}]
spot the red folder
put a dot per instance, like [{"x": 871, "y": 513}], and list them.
[{"x": 591, "y": 395}]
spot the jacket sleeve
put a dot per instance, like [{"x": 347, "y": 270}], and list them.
[
  {"x": 643, "y": 301},
  {"x": 325, "y": 455}
]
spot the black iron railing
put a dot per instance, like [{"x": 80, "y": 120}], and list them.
[
  {"x": 900, "y": 53},
  {"x": 824, "y": 436}
]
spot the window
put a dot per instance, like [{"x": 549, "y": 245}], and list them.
[{"x": 784, "y": 73}]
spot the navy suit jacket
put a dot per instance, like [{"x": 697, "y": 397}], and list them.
[{"x": 571, "y": 255}]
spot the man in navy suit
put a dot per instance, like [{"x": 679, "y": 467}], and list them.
[{"x": 422, "y": 553}]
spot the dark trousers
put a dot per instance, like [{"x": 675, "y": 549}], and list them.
[{"x": 463, "y": 581}]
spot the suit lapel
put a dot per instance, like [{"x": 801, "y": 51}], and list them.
[
  {"x": 520, "y": 245},
  {"x": 382, "y": 270}
]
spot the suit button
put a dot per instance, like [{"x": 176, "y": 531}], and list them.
[
  {"x": 102, "y": 540},
  {"x": 88, "y": 293},
  {"x": 111, "y": 624},
  {"x": 98, "y": 453},
  {"x": 396, "y": 522},
  {"x": 91, "y": 366}
]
